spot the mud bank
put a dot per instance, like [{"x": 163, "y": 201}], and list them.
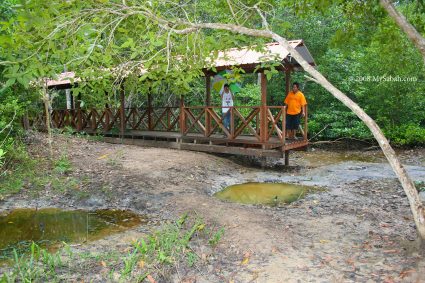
[{"x": 359, "y": 230}]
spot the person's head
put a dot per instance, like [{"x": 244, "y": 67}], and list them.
[
  {"x": 226, "y": 88},
  {"x": 295, "y": 87}
]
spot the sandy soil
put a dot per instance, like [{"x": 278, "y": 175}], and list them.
[{"x": 359, "y": 230}]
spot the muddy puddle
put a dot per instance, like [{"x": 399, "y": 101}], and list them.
[
  {"x": 273, "y": 194},
  {"x": 50, "y": 227},
  {"x": 324, "y": 158}
]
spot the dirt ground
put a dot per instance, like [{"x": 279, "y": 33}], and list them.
[{"x": 359, "y": 229}]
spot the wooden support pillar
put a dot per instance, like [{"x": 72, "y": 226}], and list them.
[
  {"x": 68, "y": 99},
  {"x": 232, "y": 123},
  {"x": 287, "y": 81},
  {"x": 79, "y": 114},
  {"x": 207, "y": 104},
  {"x": 122, "y": 111},
  {"x": 73, "y": 104},
  {"x": 287, "y": 89},
  {"x": 182, "y": 117},
  {"x": 306, "y": 123},
  {"x": 107, "y": 120},
  {"x": 93, "y": 120},
  {"x": 263, "y": 109},
  {"x": 25, "y": 122},
  {"x": 150, "y": 124},
  {"x": 286, "y": 157}
]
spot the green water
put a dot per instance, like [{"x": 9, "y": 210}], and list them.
[
  {"x": 264, "y": 193},
  {"x": 50, "y": 227}
]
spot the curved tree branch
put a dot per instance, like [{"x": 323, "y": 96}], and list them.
[{"x": 417, "y": 39}]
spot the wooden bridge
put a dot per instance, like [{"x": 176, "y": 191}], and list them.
[
  {"x": 197, "y": 128},
  {"x": 254, "y": 130}
]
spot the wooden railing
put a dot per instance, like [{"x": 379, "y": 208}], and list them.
[
  {"x": 244, "y": 120},
  {"x": 206, "y": 121}
]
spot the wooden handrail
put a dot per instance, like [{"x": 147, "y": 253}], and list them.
[{"x": 186, "y": 119}]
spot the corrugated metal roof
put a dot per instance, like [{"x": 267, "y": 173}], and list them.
[
  {"x": 272, "y": 52},
  {"x": 63, "y": 79}
]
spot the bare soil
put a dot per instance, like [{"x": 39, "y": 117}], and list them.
[{"x": 359, "y": 229}]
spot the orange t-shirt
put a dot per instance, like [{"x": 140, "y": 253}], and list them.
[{"x": 294, "y": 101}]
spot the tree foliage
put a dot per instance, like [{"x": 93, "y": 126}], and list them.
[{"x": 105, "y": 41}]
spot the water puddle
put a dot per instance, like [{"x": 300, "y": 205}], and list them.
[
  {"x": 50, "y": 227},
  {"x": 274, "y": 194},
  {"x": 324, "y": 158}
]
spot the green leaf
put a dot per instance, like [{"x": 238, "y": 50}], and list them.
[{"x": 9, "y": 82}]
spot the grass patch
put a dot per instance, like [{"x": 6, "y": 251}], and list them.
[
  {"x": 62, "y": 165},
  {"x": 36, "y": 174},
  {"x": 159, "y": 255},
  {"x": 164, "y": 250}
]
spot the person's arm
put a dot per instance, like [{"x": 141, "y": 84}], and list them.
[
  {"x": 303, "y": 107},
  {"x": 303, "y": 110}
]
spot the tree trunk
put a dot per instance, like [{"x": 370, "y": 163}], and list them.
[{"x": 46, "y": 100}]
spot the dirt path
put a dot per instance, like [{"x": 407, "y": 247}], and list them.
[{"x": 359, "y": 230}]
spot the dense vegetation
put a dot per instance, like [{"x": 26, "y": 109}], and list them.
[{"x": 355, "y": 45}]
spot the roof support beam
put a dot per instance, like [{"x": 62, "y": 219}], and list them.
[
  {"x": 207, "y": 103},
  {"x": 263, "y": 109}
]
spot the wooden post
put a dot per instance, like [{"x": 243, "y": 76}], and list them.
[
  {"x": 287, "y": 89},
  {"x": 25, "y": 122},
  {"x": 182, "y": 116},
  {"x": 305, "y": 123},
  {"x": 263, "y": 109},
  {"x": 93, "y": 120},
  {"x": 79, "y": 115},
  {"x": 168, "y": 109},
  {"x": 232, "y": 123},
  {"x": 286, "y": 157},
  {"x": 150, "y": 112},
  {"x": 107, "y": 120},
  {"x": 207, "y": 104},
  {"x": 122, "y": 111},
  {"x": 287, "y": 81},
  {"x": 284, "y": 125}
]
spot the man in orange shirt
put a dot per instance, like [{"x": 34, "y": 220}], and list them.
[{"x": 295, "y": 102}]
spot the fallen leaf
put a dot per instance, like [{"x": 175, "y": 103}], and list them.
[
  {"x": 245, "y": 261},
  {"x": 391, "y": 251},
  {"x": 327, "y": 259},
  {"x": 189, "y": 280},
  {"x": 246, "y": 257},
  {"x": 201, "y": 227},
  {"x": 150, "y": 278},
  {"x": 388, "y": 280},
  {"x": 103, "y": 263},
  {"x": 103, "y": 156},
  {"x": 324, "y": 241},
  {"x": 406, "y": 273},
  {"x": 141, "y": 264}
]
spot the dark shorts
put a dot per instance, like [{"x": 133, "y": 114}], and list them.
[{"x": 292, "y": 121}]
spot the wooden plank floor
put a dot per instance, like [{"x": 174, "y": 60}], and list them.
[{"x": 241, "y": 145}]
